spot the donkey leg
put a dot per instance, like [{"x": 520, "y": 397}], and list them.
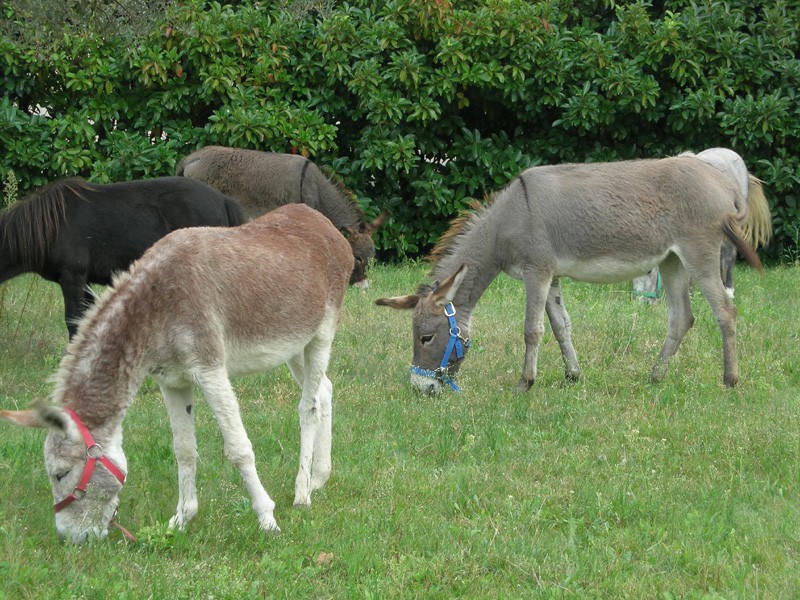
[
  {"x": 73, "y": 289},
  {"x": 321, "y": 457},
  {"x": 321, "y": 465},
  {"x": 536, "y": 291},
  {"x": 179, "y": 401},
  {"x": 725, "y": 313},
  {"x": 315, "y": 412},
  {"x": 562, "y": 329},
  {"x": 239, "y": 451},
  {"x": 679, "y": 310},
  {"x": 727, "y": 262}
]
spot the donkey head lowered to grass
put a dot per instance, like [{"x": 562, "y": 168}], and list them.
[
  {"x": 601, "y": 222},
  {"x": 262, "y": 181},
  {"x": 201, "y": 305}
]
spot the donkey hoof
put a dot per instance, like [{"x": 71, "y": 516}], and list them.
[
  {"x": 524, "y": 385},
  {"x": 178, "y": 522},
  {"x": 302, "y": 500},
  {"x": 572, "y": 376},
  {"x": 730, "y": 382},
  {"x": 658, "y": 372},
  {"x": 318, "y": 482},
  {"x": 269, "y": 525}
]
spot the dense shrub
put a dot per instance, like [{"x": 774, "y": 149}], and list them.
[{"x": 419, "y": 105}]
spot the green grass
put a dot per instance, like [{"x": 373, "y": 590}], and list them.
[{"x": 611, "y": 487}]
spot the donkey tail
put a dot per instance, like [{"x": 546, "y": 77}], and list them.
[
  {"x": 734, "y": 233},
  {"x": 757, "y": 223}
]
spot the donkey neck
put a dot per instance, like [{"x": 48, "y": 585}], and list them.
[
  {"x": 99, "y": 378},
  {"x": 334, "y": 204},
  {"x": 483, "y": 265},
  {"x": 10, "y": 268}
]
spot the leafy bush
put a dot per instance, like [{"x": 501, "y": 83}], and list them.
[{"x": 419, "y": 105}]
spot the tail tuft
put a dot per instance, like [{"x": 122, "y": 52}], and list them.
[{"x": 734, "y": 233}]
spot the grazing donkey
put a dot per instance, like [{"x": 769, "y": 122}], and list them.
[
  {"x": 262, "y": 181},
  {"x": 74, "y": 232},
  {"x": 200, "y": 306},
  {"x": 602, "y": 222},
  {"x": 753, "y": 214}
]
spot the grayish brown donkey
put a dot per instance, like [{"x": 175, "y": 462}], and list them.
[
  {"x": 602, "y": 222},
  {"x": 202, "y": 305},
  {"x": 263, "y": 181}
]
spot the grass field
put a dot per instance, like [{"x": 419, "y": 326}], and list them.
[{"x": 610, "y": 487}]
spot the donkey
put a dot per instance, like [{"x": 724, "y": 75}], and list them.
[
  {"x": 753, "y": 213},
  {"x": 262, "y": 181},
  {"x": 74, "y": 232},
  {"x": 602, "y": 222},
  {"x": 200, "y": 306}
]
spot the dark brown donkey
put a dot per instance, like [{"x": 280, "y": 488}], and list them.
[{"x": 75, "y": 233}]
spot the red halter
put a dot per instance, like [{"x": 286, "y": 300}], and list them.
[{"x": 94, "y": 453}]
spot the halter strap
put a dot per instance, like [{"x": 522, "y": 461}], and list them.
[
  {"x": 655, "y": 294},
  {"x": 94, "y": 454},
  {"x": 454, "y": 343}
]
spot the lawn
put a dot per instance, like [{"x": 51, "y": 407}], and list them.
[{"x": 610, "y": 487}]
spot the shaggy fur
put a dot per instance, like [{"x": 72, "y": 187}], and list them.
[{"x": 201, "y": 306}]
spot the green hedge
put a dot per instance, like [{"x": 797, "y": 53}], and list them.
[{"x": 419, "y": 105}]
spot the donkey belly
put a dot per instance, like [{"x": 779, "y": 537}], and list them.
[
  {"x": 607, "y": 269},
  {"x": 263, "y": 357}
]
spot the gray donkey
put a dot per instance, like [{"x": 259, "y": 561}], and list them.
[
  {"x": 599, "y": 223},
  {"x": 263, "y": 181}
]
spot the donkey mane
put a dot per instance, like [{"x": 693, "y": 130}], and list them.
[
  {"x": 350, "y": 205},
  {"x": 76, "y": 354},
  {"x": 345, "y": 191},
  {"x": 450, "y": 241},
  {"x": 30, "y": 225},
  {"x": 459, "y": 226},
  {"x": 65, "y": 375}
]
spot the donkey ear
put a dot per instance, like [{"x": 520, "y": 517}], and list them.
[
  {"x": 42, "y": 416},
  {"x": 449, "y": 287},
  {"x": 26, "y": 418},
  {"x": 399, "y": 302},
  {"x": 57, "y": 418},
  {"x": 370, "y": 228}
]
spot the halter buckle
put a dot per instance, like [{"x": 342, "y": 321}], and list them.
[{"x": 95, "y": 451}]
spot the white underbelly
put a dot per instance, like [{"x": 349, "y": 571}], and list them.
[
  {"x": 245, "y": 361},
  {"x": 601, "y": 269},
  {"x": 606, "y": 269}
]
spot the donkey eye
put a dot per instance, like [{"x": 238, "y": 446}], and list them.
[
  {"x": 60, "y": 476},
  {"x": 426, "y": 339}
]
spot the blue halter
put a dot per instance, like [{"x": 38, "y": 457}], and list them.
[{"x": 454, "y": 343}]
